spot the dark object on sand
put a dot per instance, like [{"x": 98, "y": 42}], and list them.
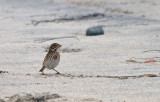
[
  {"x": 96, "y": 30},
  {"x": 131, "y": 61},
  {"x": 3, "y": 72},
  {"x": 33, "y": 98}
]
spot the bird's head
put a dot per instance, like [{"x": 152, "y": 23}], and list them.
[{"x": 54, "y": 46}]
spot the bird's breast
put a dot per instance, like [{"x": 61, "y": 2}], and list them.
[{"x": 52, "y": 63}]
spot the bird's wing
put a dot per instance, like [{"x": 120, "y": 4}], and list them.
[
  {"x": 46, "y": 58},
  {"x": 51, "y": 55}
]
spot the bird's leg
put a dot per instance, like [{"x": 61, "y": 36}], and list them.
[
  {"x": 42, "y": 69},
  {"x": 56, "y": 71}
]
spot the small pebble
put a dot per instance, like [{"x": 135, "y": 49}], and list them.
[{"x": 92, "y": 31}]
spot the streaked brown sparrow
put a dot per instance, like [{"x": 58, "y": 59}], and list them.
[{"x": 52, "y": 58}]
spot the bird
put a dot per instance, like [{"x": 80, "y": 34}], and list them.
[{"x": 52, "y": 58}]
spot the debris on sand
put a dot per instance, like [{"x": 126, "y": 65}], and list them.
[
  {"x": 131, "y": 61},
  {"x": 150, "y": 61},
  {"x": 148, "y": 75},
  {"x": 33, "y": 98},
  {"x": 74, "y": 18},
  {"x": 47, "y": 97},
  {"x": 3, "y": 71}
]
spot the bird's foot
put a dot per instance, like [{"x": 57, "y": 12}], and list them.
[{"x": 58, "y": 73}]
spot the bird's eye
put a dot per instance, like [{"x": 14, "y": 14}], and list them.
[{"x": 54, "y": 46}]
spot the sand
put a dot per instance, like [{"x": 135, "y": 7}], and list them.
[{"x": 107, "y": 68}]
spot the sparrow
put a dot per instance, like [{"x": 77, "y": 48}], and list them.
[{"x": 52, "y": 58}]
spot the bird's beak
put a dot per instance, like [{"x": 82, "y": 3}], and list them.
[{"x": 59, "y": 46}]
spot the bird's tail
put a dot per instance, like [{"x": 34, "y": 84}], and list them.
[{"x": 42, "y": 69}]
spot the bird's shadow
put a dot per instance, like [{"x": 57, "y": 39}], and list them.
[
  {"x": 56, "y": 75},
  {"x": 66, "y": 75}
]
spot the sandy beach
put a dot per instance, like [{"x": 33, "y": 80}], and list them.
[{"x": 102, "y": 68}]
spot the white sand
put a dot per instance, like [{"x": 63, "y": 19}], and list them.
[{"x": 127, "y": 36}]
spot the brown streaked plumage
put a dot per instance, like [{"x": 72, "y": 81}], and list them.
[{"x": 52, "y": 58}]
